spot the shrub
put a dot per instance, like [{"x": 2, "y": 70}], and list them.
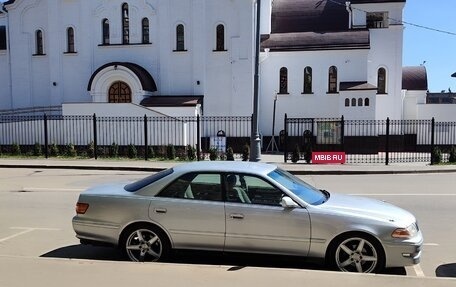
[
  {"x": 132, "y": 152},
  {"x": 15, "y": 149},
  {"x": 229, "y": 154},
  {"x": 114, "y": 150},
  {"x": 53, "y": 150},
  {"x": 91, "y": 150},
  {"x": 37, "y": 151},
  {"x": 151, "y": 152},
  {"x": 70, "y": 150},
  {"x": 246, "y": 152},
  {"x": 452, "y": 157},
  {"x": 296, "y": 154},
  {"x": 191, "y": 153},
  {"x": 170, "y": 152},
  {"x": 213, "y": 154},
  {"x": 436, "y": 156}
]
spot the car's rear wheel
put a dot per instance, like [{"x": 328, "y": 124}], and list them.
[
  {"x": 357, "y": 254},
  {"x": 145, "y": 244}
]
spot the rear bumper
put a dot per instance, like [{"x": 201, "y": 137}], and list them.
[{"x": 91, "y": 232}]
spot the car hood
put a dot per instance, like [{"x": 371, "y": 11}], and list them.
[{"x": 368, "y": 208}]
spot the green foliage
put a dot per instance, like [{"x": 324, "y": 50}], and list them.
[
  {"x": 132, "y": 152},
  {"x": 53, "y": 150},
  {"x": 295, "y": 155},
  {"x": 246, "y": 152},
  {"x": 37, "y": 150},
  {"x": 213, "y": 154},
  {"x": 452, "y": 158},
  {"x": 436, "y": 156},
  {"x": 151, "y": 152},
  {"x": 91, "y": 150},
  {"x": 70, "y": 150},
  {"x": 15, "y": 149},
  {"x": 229, "y": 154},
  {"x": 191, "y": 153},
  {"x": 114, "y": 150},
  {"x": 170, "y": 152}
]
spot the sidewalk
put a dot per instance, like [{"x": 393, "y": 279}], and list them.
[{"x": 298, "y": 168}]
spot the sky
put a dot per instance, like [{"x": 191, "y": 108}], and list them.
[{"x": 435, "y": 49}]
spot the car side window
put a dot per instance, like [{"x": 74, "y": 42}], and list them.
[
  {"x": 251, "y": 190},
  {"x": 195, "y": 186}
]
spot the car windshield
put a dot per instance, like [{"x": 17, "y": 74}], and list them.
[
  {"x": 300, "y": 188},
  {"x": 137, "y": 185}
]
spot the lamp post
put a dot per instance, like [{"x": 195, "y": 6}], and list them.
[{"x": 255, "y": 145}]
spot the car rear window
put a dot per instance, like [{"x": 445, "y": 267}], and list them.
[{"x": 137, "y": 185}]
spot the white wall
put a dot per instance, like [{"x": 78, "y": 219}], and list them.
[{"x": 441, "y": 112}]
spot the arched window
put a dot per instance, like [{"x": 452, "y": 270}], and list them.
[
  {"x": 220, "y": 38},
  {"x": 180, "y": 38},
  {"x": 366, "y": 102},
  {"x": 332, "y": 80},
  {"x": 70, "y": 40},
  {"x": 119, "y": 92},
  {"x": 125, "y": 24},
  {"x": 39, "y": 49},
  {"x": 353, "y": 102},
  {"x": 105, "y": 28},
  {"x": 307, "y": 80},
  {"x": 145, "y": 31},
  {"x": 347, "y": 102},
  {"x": 381, "y": 81},
  {"x": 283, "y": 81}
]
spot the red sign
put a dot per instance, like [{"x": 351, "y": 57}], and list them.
[{"x": 328, "y": 157}]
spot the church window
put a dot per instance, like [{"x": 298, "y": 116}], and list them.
[
  {"x": 3, "y": 38},
  {"x": 105, "y": 28},
  {"x": 220, "y": 38},
  {"x": 353, "y": 102},
  {"x": 283, "y": 81},
  {"x": 119, "y": 92},
  {"x": 145, "y": 31},
  {"x": 125, "y": 24},
  {"x": 180, "y": 38},
  {"x": 70, "y": 40},
  {"x": 376, "y": 20},
  {"x": 39, "y": 42},
  {"x": 332, "y": 80},
  {"x": 381, "y": 81},
  {"x": 307, "y": 80}
]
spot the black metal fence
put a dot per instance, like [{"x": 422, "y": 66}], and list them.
[
  {"x": 370, "y": 141},
  {"x": 146, "y": 134}
]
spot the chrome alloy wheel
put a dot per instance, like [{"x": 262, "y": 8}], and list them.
[
  {"x": 144, "y": 245},
  {"x": 356, "y": 255}
]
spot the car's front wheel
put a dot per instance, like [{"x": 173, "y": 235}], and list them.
[
  {"x": 145, "y": 244},
  {"x": 357, "y": 254}
]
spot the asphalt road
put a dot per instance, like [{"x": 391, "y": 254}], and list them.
[{"x": 36, "y": 237}]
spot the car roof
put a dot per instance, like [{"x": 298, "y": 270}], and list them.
[{"x": 226, "y": 166}]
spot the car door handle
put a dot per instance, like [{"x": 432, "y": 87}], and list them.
[
  {"x": 160, "y": 210},
  {"x": 237, "y": 216}
]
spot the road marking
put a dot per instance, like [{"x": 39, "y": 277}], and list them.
[
  {"x": 419, "y": 272},
  {"x": 25, "y": 230},
  {"x": 430, "y": 244}
]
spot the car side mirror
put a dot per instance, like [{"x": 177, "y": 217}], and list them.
[{"x": 287, "y": 202}]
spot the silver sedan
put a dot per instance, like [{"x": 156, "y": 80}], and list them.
[{"x": 246, "y": 207}]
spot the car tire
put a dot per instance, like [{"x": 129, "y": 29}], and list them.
[
  {"x": 142, "y": 243},
  {"x": 356, "y": 253}
]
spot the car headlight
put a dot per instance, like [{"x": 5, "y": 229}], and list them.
[{"x": 406, "y": 233}]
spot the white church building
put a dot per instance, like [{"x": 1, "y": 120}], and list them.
[{"x": 319, "y": 58}]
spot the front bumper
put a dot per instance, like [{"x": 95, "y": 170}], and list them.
[{"x": 404, "y": 253}]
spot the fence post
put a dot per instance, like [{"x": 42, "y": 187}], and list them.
[
  {"x": 387, "y": 141},
  {"x": 432, "y": 140},
  {"x": 285, "y": 141},
  {"x": 342, "y": 133},
  {"x": 146, "y": 144},
  {"x": 198, "y": 138},
  {"x": 46, "y": 139},
  {"x": 95, "y": 141}
]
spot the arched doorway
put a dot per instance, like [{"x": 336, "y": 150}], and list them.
[{"x": 119, "y": 92}]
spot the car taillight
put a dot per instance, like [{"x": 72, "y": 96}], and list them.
[{"x": 81, "y": 208}]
